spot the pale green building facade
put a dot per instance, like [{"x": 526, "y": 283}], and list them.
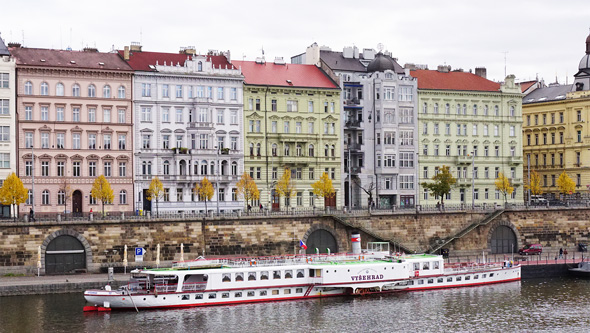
[
  {"x": 474, "y": 126},
  {"x": 292, "y": 120}
]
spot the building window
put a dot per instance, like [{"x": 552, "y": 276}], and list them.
[
  {"x": 122, "y": 169},
  {"x": 91, "y": 90},
  {"x": 92, "y": 169},
  {"x": 44, "y": 113},
  {"x": 28, "y": 87},
  {"x": 146, "y": 141},
  {"x": 76, "y": 169},
  {"x": 76, "y": 114},
  {"x": 291, "y": 106},
  {"x": 30, "y": 198},
  {"x": 45, "y": 168},
  {"x": 122, "y": 141},
  {"x": 123, "y": 197},
  {"x": 107, "y": 169},
  {"x": 106, "y": 138},
  {"x": 44, "y": 87},
  {"x": 121, "y": 92}
]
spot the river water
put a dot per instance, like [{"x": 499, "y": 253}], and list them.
[{"x": 540, "y": 305}]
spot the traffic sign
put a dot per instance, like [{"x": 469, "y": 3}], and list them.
[{"x": 139, "y": 251}]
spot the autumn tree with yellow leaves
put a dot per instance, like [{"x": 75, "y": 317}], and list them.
[
  {"x": 204, "y": 190},
  {"x": 503, "y": 185},
  {"x": 566, "y": 184},
  {"x": 246, "y": 187},
  {"x": 101, "y": 190},
  {"x": 323, "y": 188},
  {"x": 13, "y": 193},
  {"x": 285, "y": 187},
  {"x": 155, "y": 191},
  {"x": 535, "y": 184}
]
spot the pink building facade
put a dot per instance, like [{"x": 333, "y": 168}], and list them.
[{"x": 74, "y": 123}]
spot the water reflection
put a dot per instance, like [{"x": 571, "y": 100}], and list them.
[{"x": 534, "y": 305}]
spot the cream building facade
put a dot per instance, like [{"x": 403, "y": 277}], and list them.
[{"x": 7, "y": 117}]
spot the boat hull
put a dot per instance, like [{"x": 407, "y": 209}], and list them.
[{"x": 122, "y": 299}]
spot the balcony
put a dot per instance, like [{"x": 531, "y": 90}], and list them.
[
  {"x": 352, "y": 102},
  {"x": 201, "y": 125},
  {"x": 464, "y": 160},
  {"x": 464, "y": 182},
  {"x": 353, "y": 123},
  {"x": 352, "y": 147},
  {"x": 515, "y": 160}
]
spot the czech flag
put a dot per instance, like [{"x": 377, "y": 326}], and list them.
[{"x": 302, "y": 245}]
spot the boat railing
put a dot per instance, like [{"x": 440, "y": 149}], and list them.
[
  {"x": 469, "y": 267},
  {"x": 197, "y": 286},
  {"x": 166, "y": 288},
  {"x": 294, "y": 260}
]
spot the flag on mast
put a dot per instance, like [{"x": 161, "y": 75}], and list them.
[{"x": 302, "y": 245}]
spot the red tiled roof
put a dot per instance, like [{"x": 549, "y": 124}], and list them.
[
  {"x": 68, "y": 59},
  {"x": 279, "y": 75},
  {"x": 526, "y": 85},
  {"x": 141, "y": 61},
  {"x": 430, "y": 79}
]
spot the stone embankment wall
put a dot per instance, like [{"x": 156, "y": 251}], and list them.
[{"x": 256, "y": 236}]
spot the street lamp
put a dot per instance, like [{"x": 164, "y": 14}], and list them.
[
  {"x": 349, "y": 165},
  {"x": 472, "y": 180},
  {"x": 218, "y": 175}
]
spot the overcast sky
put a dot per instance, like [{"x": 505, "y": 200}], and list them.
[{"x": 542, "y": 37}]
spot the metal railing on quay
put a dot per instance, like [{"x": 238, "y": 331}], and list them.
[
  {"x": 256, "y": 212},
  {"x": 545, "y": 258}
]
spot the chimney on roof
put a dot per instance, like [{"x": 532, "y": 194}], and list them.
[
  {"x": 481, "y": 71},
  {"x": 444, "y": 68},
  {"x": 189, "y": 50},
  {"x": 347, "y": 52},
  {"x": 135, "y": 47},
  {"x": 13, "y": 44},
  {"x": 90, "y": 49},
  {"x": 280, "y": 61},
  {"x": 126, "y": 53}
]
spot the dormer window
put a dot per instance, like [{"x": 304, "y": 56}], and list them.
[{"x": 200, "y": 66}]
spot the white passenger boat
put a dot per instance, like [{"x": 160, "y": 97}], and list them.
[{"x": 229, "y": 281}]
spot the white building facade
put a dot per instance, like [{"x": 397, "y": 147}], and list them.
[
  {"x": 379, "y": 125},
  {"x": 188, "y": 126},
  {"x": 7, "y": 117}
]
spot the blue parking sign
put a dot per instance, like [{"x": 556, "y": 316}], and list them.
[{"x": 139, "y": 251}]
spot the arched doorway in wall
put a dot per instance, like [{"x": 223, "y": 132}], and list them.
[
  {"x": 503, "y": 240},
  {"x": 64, "y": 254},
  {"x": 322, "y": 240},
  {"x": 77, "y": 203}
]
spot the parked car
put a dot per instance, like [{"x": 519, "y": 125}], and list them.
[
  {"x": 538, "y": 200},
  {"x": 531, "y": 249}
]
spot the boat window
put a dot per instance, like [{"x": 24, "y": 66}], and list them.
[
  {"x": 312, "y": 272},
  {"x": 425, "y": 265},
  {"x": 239, "y": 276},
  {"x": 186, "y": 297},
  {"x": 226, "y": 277},
  {"x": 263, "y": 275},
  {"x": 301, "y": 273},
  {"x": 287, "y": 291},
  {"x": 491, "y": 274},
  {"x": 411, "y": 283},
  {"x": 275, "y": 292},
  {"x": 263, "y": 293},
  {"x": 238, "y": 294},
  {"x": 225, "y": 295},
  {"x": 420, "y": 281},
  {"x": 467, "y": 278},
  {"x": 436, "y": 263},
  {"x": 416, "y": 266},
  {"x": 458, "y": 278},
  {"x": 299, "y": 290},
  {"x": 450, "y": 279},
  {"x": 276, "y": 274},
  {"x": 476, "y": 277},
  {"x": 440, "y": 280},
  {"x": 252, "y": 276},
  {"x": 430, "y": 281},
  {"x": 199, "y": 296},
  {"x": 289, "y": 274},
  {"x": 212, "y": 295},
  {"x": 483, "y": 276},
  {"x": 250, "y": 294}
]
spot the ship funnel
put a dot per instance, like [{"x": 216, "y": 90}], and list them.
[{"x": 355, "y": 239}]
